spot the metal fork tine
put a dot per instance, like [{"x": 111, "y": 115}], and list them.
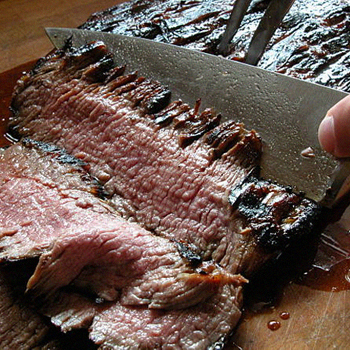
[
  {"x": 272, "y": 18},
  {"x": 239, "y": 10}
]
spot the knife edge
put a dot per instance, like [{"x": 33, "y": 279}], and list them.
[{"x": 286, "y": 111}]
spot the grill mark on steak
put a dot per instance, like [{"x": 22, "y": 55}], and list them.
[
  {"x": 193, "y": 258},
  {"x": 275, "y": 214}
]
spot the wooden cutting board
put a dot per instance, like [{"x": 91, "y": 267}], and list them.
[
  {"x": 313, "y": 318},
  {"x": 318, "y": 320},
  {"x": 22, "y": 23}
]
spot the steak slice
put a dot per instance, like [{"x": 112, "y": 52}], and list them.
[
  {"x": 82, "y": 241},
  {"x": 123, "y": 264},
  {"x": 174, "y": 165},
  {"x": 88, "y": 254},
  {"x": 42, "y": 179},
  {"x": 311, "y": 43},
  {"x": 116, "y": 326},
  {"x": 198, "y": 327}
]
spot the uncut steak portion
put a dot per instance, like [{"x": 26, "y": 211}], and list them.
[
  {"x": 82, "y": 242},
  {"x": 312, "y": 43},
  {"x": 174, "y": 165}
]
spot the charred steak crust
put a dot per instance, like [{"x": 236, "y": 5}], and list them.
[
  {"x": 193, "y": 259},
  {"x": 60, "y": 155},
  {"x": 274, "y": 213},
  {"x": 312, "y": 42}
]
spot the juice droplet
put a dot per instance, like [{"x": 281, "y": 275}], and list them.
[
  {"x": 274, "y": 325},
  {"x": 347, "y": 276},
  {"x": 284, "y": 315}
]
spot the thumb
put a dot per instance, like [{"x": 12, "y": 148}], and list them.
[{"x": 334, "y": 130}]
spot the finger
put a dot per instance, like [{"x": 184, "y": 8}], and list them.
[{"x": 334, "y": 130}]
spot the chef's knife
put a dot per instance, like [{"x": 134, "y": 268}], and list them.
[{"x": 285, "y": 111}]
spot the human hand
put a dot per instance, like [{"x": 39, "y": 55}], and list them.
[{"x": 334, "y": 130}]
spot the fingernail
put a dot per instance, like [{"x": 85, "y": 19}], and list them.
[{"x": 326, "y": 134}]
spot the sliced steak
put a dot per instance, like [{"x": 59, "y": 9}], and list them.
[
  {"x": 42, "y": 179},
  {"x": 311, "y": 43},
  {"x": 116, "y": 326},
  {"x": 88, "y": 254},
  {"x": 121, "y": 262},
  {"x": 198, "y": 327},
  {"x": 81, "y": 241},
  {"x": 176, "y": 166}
]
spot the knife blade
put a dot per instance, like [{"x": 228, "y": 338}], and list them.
[{"x": 285, "y": 111}]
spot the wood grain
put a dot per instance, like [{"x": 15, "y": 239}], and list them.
[
  {"x": 318, "y": 320},
  {"x": 22, "y": 23}
]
